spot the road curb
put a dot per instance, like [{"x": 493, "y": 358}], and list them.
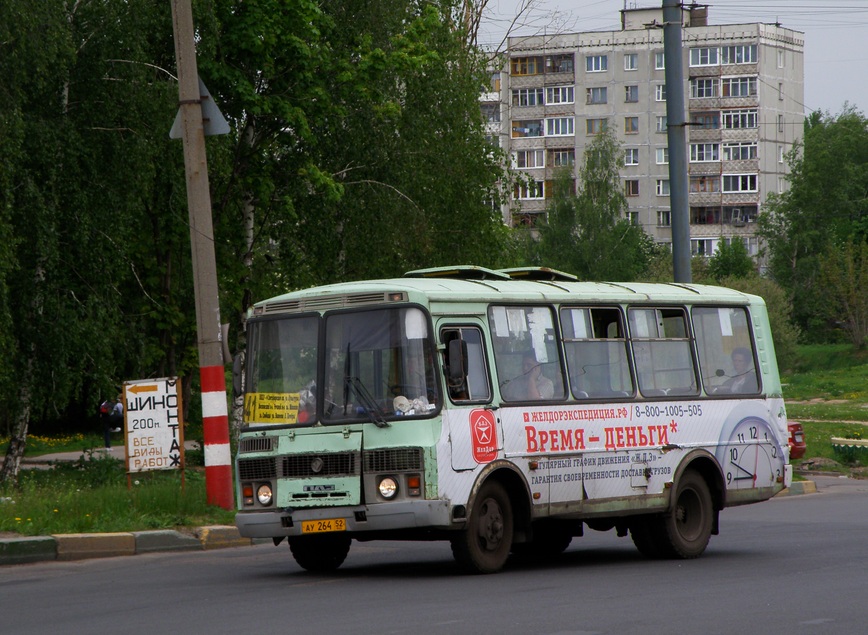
[
  {"x": 29, "y": 549},
  {"x": 69, "y": 547},
  {"x": 800, "y": 487}
]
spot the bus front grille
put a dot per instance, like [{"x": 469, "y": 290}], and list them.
[
  {"x": 393, "y": 460},
  {"x": 256, "y": 469},
  {"x": 311, "y": 465}
]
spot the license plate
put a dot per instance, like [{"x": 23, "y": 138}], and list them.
[{"x": 322, "y": 526}]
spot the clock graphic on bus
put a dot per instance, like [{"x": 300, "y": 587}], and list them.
[{"x": 750, "y": 454}]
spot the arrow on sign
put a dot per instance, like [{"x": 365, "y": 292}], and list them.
[{"x": 142, "y": 388}]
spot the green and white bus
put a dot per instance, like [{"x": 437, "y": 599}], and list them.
[{"x": 505, "y": 411}]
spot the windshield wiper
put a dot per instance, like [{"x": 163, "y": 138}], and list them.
[{"x": 369, "y": 404}]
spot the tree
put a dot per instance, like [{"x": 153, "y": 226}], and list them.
[
  {"x": 731, "y": 259},
  {"x": 587, "y": 233},
  {"x": 844, "y": 274},
  {"x": 827, "y": 202}
]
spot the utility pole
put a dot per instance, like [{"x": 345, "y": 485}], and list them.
[
  {"x": 215, "y": 419},
  {"x": 676, "y": 138}
]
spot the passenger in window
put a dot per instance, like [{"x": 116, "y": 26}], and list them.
[
  {"x": 531, "y": 384},
  {"x": 744, "y": 377}
]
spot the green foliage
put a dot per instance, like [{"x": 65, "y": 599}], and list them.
[
  {"x": 91, "y": 495},
  {"x": 357, "y": 149},
  {"x": 844, "y": 274},
  {"x": 587, "y": 234},
  {"x": 825, "y": 205},
  {"x": 731, "y": 260}
]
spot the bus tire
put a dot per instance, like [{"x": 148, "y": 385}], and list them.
[
  {"x": 686, "y": 526},
  {"x": 484, "y": 546},
  {"x": 320, "y": 554}
]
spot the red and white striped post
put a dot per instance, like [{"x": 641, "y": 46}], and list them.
[
  {"x": 215, "y": 424},
  {"x": 218, "y": 466}
]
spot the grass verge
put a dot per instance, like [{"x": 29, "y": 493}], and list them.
[{"x": 91, "y": 495}]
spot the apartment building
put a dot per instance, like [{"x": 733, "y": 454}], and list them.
[{"x": 743, "y": 86}]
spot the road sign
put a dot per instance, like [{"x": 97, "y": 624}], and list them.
[{"x": 154, "y": 426}]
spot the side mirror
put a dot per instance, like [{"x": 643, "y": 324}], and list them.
[
  {"x": 238, "y": 376},
  {"x": 456, "y": 359}
]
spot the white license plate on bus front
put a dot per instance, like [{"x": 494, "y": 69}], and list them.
[{"x": 322, "y": 526}]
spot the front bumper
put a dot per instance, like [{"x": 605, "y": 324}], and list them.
[{"x": 362, "y": 518}]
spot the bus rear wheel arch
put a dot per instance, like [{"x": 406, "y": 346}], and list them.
[{"x": 683, "y": 531}]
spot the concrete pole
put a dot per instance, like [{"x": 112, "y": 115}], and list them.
[
  {"x": 676, "y": 138},
  {"x": 215, "y": 420}
]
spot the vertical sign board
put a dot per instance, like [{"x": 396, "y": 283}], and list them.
[{"x": 154, "y": 425}]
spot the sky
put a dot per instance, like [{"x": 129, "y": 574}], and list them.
[{"x": 835, "y": 31}]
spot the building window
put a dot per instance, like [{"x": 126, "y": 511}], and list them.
[
  {"x": 527, "y": 128},
  {"x": 780, "y": 154},
  {"x": 529, "y": 159},
  {"x": 532, "y": 190},
  {"x": 662, "y": 124},
  {"x": 631, "y": 125},
  {"x": 664, "y": 218},
  {"x": 491, "y": 112},
  {"x": 631, "y": 61},
  {"x": 738, "y": 87},
  {"x": 563, "y": 158},
  {"x": 739, "y": 150},
  {"x": 780, "y": 123},
  {"x": 495, "y": 82},
  {"x": 631, "y": 187},
  {"x": 659, "y": 61},
  {"x": 780, "y": 91},
  {"x": 705, "y": 184},
  {"x": 703, "y": 87},
  {"x": 527, "y": 97},
  {"x": 631, "y": 156},
  {"x": 738, "y": 119},
  {"x": 596, "y": 63},
  {"x": 735, "y": 183},
  {"x": 662, "y": 156},
  {"x": 705, "y": 120},
  {"x": 659, "y": 92},
  {"x": 703, "y": 152},
  {"x": 561, "y": 95},
  {"x": 631, "y": 94},
  {"x": 560, "y": 127},
  {"x": 662, "y": 187},
  {"x": 738, "y": 54},
  {"x": 705, "y": 56},
  {"x": 596, "y": 95},
  {"x": 633, "y": 218},
  {"x": 562, "y": 63},
  {"x": 702, "y": 246},
  {"x": 525, "y": 65},
  {"x": 596, "y": 126},
  {"x": 781, "y": 58}
]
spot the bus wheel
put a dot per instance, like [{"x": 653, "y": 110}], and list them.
[
  {"x": 686, "y": 527},
  {"x": 484, "y": 546},
  {"x": 320, "y": 553}
]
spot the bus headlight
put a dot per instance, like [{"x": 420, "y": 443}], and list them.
[
  {"x": 264, "y": 494},
  {"x": 388, "y": 487}
]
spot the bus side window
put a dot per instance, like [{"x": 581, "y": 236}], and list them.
[
  {"x": 662, "y": 350},
  {"x": 596, "y": 352},
  {"x": 473, "y": 384},
  {"x": 726, "y": 352}
]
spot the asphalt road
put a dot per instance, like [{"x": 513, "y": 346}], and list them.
[{"x": 792, "y": 565}]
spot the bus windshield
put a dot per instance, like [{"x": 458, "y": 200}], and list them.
[{"x": 374, "y": 366}]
